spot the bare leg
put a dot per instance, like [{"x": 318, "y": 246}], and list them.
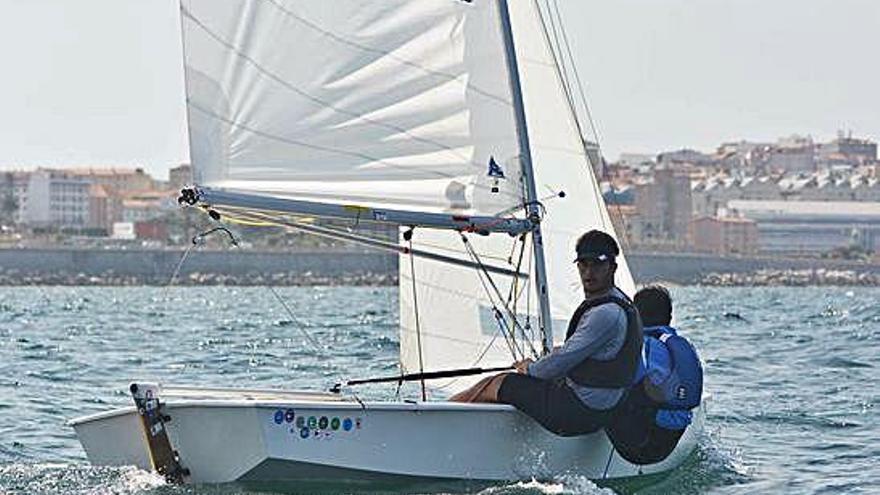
[
  {"x": 469, "y": 394},
  {"x": 486, "y": 390}
]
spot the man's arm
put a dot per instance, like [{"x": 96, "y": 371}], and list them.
[{"x": 596, "y": 328}]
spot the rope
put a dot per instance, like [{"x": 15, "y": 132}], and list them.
[{"x": 608, "y": 464}]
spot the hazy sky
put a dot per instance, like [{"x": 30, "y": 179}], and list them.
[{"x": 99, "y": 82}]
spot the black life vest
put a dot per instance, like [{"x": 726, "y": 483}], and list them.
[{"x": 619, "y": 371}]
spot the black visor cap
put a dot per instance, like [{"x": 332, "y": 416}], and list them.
[{"x": 594, "y": 256}]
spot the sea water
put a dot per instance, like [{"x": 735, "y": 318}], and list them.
[{"x": 792, "y": 374}]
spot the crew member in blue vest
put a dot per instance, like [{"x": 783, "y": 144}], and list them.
[
  {"x": 668, "y": 385},
  {"x": 575, "y": 389}
]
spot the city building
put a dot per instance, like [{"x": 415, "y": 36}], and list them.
[
  {"x": 594, "y": 156},
  {"x": 813, "y": 228},
  {"x": 146, "y": 206},
  {"x": 116, "y": 181},
  {"x": 18, "y": 183},
  {"x": 180, "y": 177},
  {"x": 724, "y": 235},
  {"x": 624, "y": 220},
  {"x": 55, "y": 198},
  {"x": 624, "y": 195},
  {"x": 13, "y": 191},
  {"x": 848, "y": 149},
  {"x": 671, "y": 159},
  {"x": 103, "y": 208},
  {"x": 664, "y": 210},
  {"x": 780, "y": 159},
  {"x": 636, "y": 159}
]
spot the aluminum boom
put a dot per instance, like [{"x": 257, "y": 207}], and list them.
[{"x": 462, "y": 223}]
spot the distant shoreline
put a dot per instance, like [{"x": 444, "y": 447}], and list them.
[{"x": 119, "y": 267}]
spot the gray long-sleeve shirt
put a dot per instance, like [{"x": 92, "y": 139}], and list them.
[{"x": 600, "y": 334}]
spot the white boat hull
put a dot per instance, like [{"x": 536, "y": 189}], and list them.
[{"x": 258, "y": 438}]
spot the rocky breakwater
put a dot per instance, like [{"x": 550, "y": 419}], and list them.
[
  {"x": 804, "y": 277},
  {"x": 109, "y": 278},
  {"x": 201, "y": 267}
]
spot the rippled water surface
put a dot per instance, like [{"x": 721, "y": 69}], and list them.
[{"x": 792, "y": 373}]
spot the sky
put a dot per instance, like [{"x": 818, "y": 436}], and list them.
[{"x": 99, "y": 82}]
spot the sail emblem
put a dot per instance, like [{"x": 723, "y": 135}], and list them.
[{"x": 496, "y": 173}]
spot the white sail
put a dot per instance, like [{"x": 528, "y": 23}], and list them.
[
  {"x": 398, "y": 104},
  {"x": 455, "y": 326}
]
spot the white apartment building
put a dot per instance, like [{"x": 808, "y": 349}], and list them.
[{"x": 55, "y": 198}]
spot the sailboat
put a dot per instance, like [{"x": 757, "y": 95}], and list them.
[{"x": 450, "y": 121}]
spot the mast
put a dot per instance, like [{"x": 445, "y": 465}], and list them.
[{"x": 532, "y": 209}]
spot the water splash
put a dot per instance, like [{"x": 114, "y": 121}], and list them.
[
  {"x": 58, "y": 478},
  {"x": 565, "y": 485}
]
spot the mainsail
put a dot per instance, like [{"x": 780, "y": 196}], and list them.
[
  {"x": 398, "y": 103},
  {"x": 410, "y": 105}
]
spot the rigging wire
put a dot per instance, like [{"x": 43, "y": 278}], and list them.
[
  {"x": 412, "y": 270},
  {"x": 511, "y": 344},
  {"x": 517, "y": 289},
  {"x": 198, "y": 240},
  {"x": 491, "y": 283},
  {"x": 560, "y": 61},
  {"x": 576, "y": 73},
  {"x": 298, "y": 324},
  {"x": 561, "y": 43},
  {"x": 513, "y": 292}
]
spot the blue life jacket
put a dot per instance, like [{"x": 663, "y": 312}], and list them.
[{"x": 674, "y": 375}]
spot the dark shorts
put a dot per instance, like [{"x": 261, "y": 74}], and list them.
[
  {"x": 552, "y": 404},
  {"x": 636, "y": 435}
]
